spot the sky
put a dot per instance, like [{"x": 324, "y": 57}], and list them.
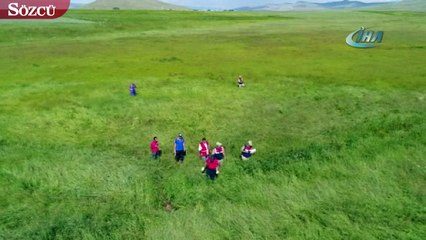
[{"x": 227, "y": 4}]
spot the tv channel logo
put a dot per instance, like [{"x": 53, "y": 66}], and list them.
[
  {"x": 364, "y": 38},
  {"x": 33, "y": 9}
]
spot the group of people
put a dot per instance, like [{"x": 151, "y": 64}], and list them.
[{"x": 212, "y": 157}]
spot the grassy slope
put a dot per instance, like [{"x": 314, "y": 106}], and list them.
[
  {"x": 132, "y": 4},
  {"x": 340, "y": 131}
]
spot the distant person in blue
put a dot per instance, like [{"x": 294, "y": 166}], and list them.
[
  {"x": 132, "y": 89},
  {"x": 179, "y": 148}
]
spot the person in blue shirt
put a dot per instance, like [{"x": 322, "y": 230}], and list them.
[
  {"x": 179, "y": 148},
  {"x": 132, "y": 89}
]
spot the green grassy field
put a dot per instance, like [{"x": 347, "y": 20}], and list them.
[{"x": 340, "y": 132}]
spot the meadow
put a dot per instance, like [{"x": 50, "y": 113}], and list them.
[{"x": 340, "y": 132}]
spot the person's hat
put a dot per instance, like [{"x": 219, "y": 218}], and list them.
[
  {"x": 218, "y": 144},
  {"x": 180, "y": 134},
  {"x": 250, "y": 143}
]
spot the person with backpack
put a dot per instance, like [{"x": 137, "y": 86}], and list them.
[
  {"x": 247, "y": 151},
  {"x": 203, "y": 149},
  {"x": 179, "y": 148},
  {"x": 211, "y": 168},
  {"x": 155, "y": 148},
  {"x": 219, "y": 152}
]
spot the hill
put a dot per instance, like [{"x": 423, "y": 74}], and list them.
[
  {"x": 405, "y": 5},
  {"x": 309, "y": 6},
  {"x": 132, "y": 5},
  {"x": 347, "y": 4},
  {"x": 298, "y": 6}
]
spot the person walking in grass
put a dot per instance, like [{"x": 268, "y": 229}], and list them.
[
  {"x": 179, "y": 148},
  {"x": 155, "y": 148},
  {"x": 247, "y": 151},
  {"x": 132, "y": 89},
  {"x": 240, "y": 82},
  {"x": 219, "y": 152},
  {"x": 211, "y": 167},
  {"x": 203, "y": 149}
]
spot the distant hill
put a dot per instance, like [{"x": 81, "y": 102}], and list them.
[
  {"x": 347, "y": 4},
  {"x": 308, "y": 6},
  {"x": 405, "y": 5},
  {"x": 298, "y": 6},
  {"x": 132, "y": 4}
]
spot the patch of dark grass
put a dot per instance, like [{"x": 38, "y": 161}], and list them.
[
  {"x": 169, "y": 59},
  {"x": 30, "y": 185}
]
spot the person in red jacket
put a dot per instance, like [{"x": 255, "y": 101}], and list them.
[
  {"x": 155, "y": 149},
  {"x": 211, "y": 167},
  {"x": 203, "y": 149}
]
